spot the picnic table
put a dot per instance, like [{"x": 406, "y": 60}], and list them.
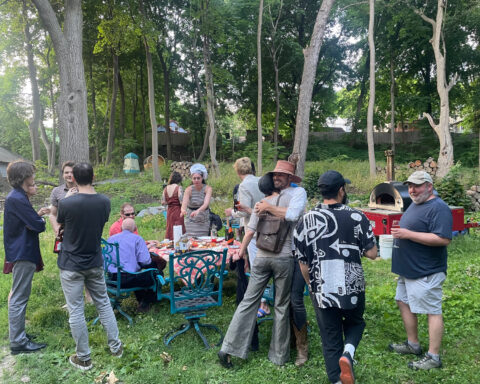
[{"x": 215, "y": 244}]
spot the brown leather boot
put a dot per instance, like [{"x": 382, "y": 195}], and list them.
[{"x": 302, "y": 345}]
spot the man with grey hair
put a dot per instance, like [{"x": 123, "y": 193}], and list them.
[
  {"x": 134, "y": 256},
  {"x": 420, "y": 260}
]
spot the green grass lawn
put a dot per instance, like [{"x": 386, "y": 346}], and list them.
[{"x": 142, "y": 361}]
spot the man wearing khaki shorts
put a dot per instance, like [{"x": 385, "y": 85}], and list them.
[{"x": 420, "y": 260}]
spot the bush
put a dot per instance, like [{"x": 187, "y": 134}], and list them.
[{"x": 451, "y": 190}]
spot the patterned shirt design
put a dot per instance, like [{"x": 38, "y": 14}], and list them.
[{"x": 331, "y": 240}]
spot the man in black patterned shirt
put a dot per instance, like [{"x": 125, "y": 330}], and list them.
[{"x": 330, "y": 241}]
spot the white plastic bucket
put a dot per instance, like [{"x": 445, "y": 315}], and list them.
[{"x": 386, "y": 245}]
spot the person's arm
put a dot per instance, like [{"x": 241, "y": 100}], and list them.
[
  {"x": 297, "y": 204},
  {"x": 25, "y": 212},
  {"x": 186, "y": 199},
  {"x": 306, "y": 276},
  {"x": 180, "y": 193},
  {"x": 141, "y": 252},
  {"x": 429, "y": 239},
  {"x": 264, "y": 206},
  {"x": 206, "y": 202},
  {"x": 53, "y": 219},
  {"x": 164, "y": 200},
  {"x": 243, "y": 248},
  {"x": 372, "y": 253}
]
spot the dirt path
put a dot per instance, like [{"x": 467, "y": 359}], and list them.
[{"x": 6, "y": 364}]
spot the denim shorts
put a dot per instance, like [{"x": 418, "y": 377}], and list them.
[{"x": 423, "y": 295}]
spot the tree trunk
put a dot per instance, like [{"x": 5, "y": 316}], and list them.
[
  {"x": 121, "y": 123},
  {"x": 195, "y": 71},
  {"x": 135, "y": 107},
  {"x": 277, "y": 113},
  {"x": 392, "y": 102},
  {"x": 96, "y": 130},
  {"x": 306, "y": 87},
  {"x": 32, "y": 72},
  {"x": 259, "y": 89},
  {"x": 371, "y": 99},
  {"x": 210, "y": 105},
  {"x": 151, "y": 103},
  {"x": 166, "y": 96},
  {"x": 53, "y": 153},
  {"x": 72, "y": 102},
  {"x": 144, "y": 123},
  {"x": 442, "y": 129},
  {"x": 113, "y": 109}
]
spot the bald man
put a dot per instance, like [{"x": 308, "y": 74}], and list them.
[{"x": 134, "y": 256}]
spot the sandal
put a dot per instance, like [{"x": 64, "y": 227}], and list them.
[{"x": 262, "y": 313}]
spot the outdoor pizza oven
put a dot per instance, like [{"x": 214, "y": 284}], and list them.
[{"x": 391, "y": 196}]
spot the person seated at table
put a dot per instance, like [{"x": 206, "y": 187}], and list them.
[
  {"x": 134, "y": 256},
  {"x": 172, "y": 197},
  {"x": 126, "y": 210},
  {"x": 196, "y": 202}
]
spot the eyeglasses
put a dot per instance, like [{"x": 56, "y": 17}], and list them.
[{"x": 129, "y": 214}]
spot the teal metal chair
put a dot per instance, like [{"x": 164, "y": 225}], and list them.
[
  {"x": 111, "y": 257},
  {"x": 200, "y": 275}
]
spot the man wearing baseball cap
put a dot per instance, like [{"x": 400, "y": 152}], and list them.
[
  {"x": 420, "y": 260},
  {"x": 330, "y": 241}
]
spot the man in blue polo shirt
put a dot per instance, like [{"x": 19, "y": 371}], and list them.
[{"x": 420, "y": 260}]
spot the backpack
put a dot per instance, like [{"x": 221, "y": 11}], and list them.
[{"x": 272, "y": 232}]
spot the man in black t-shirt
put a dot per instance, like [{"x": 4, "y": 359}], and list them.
[
  {"x": 81, "y": 263},
  {"x": 329, "y": 243}
]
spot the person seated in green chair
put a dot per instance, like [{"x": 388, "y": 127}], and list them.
[{"x": 134, "y": 256}]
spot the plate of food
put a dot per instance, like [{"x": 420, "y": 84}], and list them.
[{"x": 204, "y": 238}]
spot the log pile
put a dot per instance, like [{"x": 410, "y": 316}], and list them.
[
  {"x": 182, "y": 167},
  {"x": 430, "y": 166},
  {"x": 474, "y": 194}
]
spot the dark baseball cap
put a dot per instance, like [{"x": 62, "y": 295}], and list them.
[{"x": 331, "y": 179}]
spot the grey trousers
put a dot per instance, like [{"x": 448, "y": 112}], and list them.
[
  {"x": 72, "y": 285},
  {"x": 240, "y": 331},
  {"x": 17, "y": 306}
]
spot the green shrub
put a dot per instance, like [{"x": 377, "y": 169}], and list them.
[{"x": 451, "y": 190}]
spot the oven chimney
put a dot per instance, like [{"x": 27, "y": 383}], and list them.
[{"x": 390, "y": 165}]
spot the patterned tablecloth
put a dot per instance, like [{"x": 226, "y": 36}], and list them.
[{"x": 233, "y": 250}]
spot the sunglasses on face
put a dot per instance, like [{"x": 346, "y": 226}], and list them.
[{"x": 129, "y": 214}]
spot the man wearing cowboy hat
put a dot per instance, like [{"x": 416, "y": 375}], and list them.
[{"x": 288, "y": 204}]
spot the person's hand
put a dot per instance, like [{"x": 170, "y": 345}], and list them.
[
  {"x": 183, "y": 212},
  {"x": 261, "y": 206},
  {"x": 194, "y": 213},
  {"x": 239, "y": 255},
  {"x": 59, "y": 231},
  {"x": 246, "y": 266},
  {"x": 400, "y": 233},
  {"x": 71, "y": 191},
  {"x": 228, "y": 212},
  {"x": 43, "y": 211}
]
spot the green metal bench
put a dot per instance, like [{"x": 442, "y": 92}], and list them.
[{"x": 200, "y": 274}]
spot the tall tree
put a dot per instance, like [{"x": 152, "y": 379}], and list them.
[
  {"x": 72, "y": 102},
  {"x": 371, "y": 99},
  {"x": 311, "y": 54},
  {"x": 207, "y": 63},
  {"x": 259, "y": 90},
  {"x": 442, "y": 129},
  {"x": 32, "y": 71},
  {"x": 151, "y": 97}
]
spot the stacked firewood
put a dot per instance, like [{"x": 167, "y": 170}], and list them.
[
  {"x": 474, "y": 194},
  {"x": 430, "y": 166},
  {"x": 182, "y": 167}
]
